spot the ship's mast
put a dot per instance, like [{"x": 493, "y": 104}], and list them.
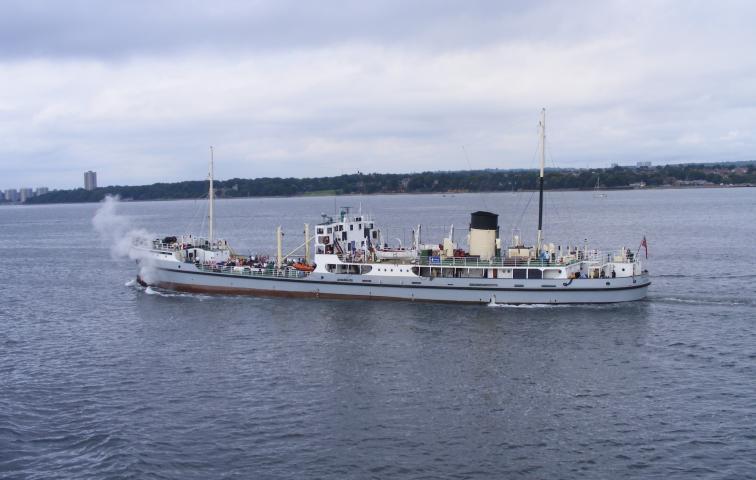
[
  {"x": 211, "y": 196},
  {"x": 540, "y": 184}
]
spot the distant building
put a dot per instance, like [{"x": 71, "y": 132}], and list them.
[
  {"x": 11, "y": 195},
  {"x": 90, "y": 180},
  {"x": 643, "y": 164},
  {"x": 41, "y": 191},
  {"x": 26, "y": 194},
  {"x": 693, "y": 183},
  {"x": 615, "y": 165}
]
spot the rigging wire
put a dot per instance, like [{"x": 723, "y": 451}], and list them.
[
  {"x": 522, "y": 198},
  {"x": 198, "y": 205},
  {"x": 561, "y": 213}
]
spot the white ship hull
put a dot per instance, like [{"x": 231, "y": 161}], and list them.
[{"x": 187, "y": 277}]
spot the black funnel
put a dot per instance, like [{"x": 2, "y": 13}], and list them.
[{"x": 484, "y": 221}]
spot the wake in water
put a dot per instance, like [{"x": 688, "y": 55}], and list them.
[
  {"x": 594, "y": 306},
  {"x": 117, "y": 232},
  {"x": 701, "y": 301},
  {"x": 162, "y": 293},
  {"x": 155, "y": 291},
  {"x": 707, "y": 277},
  {"x": 527, "y": 305}
]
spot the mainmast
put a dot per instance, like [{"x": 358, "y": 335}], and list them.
[
  {"x": 211, "y": 196},
  {"x": 540, "y": 185}
]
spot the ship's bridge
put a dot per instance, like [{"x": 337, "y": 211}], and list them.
[{"x": 350, "y": 234}]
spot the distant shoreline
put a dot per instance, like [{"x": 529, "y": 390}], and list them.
[
  {"x": 723, "y": 175},
  {"x": 448, "y": 193}
]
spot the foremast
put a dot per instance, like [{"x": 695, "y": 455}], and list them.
[
  {"x": 211, "y": 197},
  {"x": 540, "y": 183}
]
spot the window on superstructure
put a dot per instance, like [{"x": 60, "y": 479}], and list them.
[
  {"x": 330, "y": 230},
  {"x": 351, "y": 227}
]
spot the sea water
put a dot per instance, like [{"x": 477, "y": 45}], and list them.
[{"x": 100, "y": 378}]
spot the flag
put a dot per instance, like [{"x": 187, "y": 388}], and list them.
[{"x": 644, "y": 244}]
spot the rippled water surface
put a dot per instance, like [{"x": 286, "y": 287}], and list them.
[{"x": 99, "y": 379}]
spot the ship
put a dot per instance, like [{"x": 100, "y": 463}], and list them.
[
  {"x": 346, "y": 257},
  {"x": 597, "y": 193}
]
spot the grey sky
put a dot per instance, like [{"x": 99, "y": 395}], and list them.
[{"x": 138, "y": 90}]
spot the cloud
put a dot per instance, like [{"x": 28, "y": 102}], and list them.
[
  {"x": 138, "y": 90},
  {"x": 109, "y": 30}
]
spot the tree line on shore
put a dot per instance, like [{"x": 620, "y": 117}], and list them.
[{"x": 425, "y": 182}]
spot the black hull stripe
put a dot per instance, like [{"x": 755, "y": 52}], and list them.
[{"x": 369, "y": 285}]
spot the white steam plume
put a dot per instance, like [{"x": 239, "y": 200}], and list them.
[{"x": 117, "y": 232}]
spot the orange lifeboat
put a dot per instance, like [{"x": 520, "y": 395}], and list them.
[{"x": 304, "y": 267}]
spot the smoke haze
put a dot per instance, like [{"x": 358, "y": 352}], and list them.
[{"x": 117, "y": 232}]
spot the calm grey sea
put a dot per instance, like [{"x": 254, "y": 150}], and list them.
[{"x": 103, "y": 380}]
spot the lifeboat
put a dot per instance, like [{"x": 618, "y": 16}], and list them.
[{"x": 303, "y": 267}]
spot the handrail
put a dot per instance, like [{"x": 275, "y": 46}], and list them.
[
  {"x": 494, "y": 262},
  {"x": 499, "y": 262},
  {"x": 253, "y": 272}
]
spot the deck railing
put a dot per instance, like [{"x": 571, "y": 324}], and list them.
[
  {"x": 498, "y": 262},
  {"x": 494, "y": 262},
  {"x": 165, "y": 247},
  {"x": 253, "y": 272},
  {"x": 173, "y": 247}
]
